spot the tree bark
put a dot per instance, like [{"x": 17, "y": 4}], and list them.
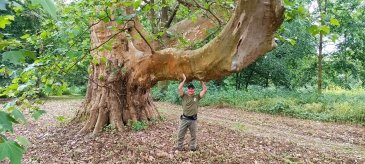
[
  {"x": 112, "y": 96},
  {"x": 320, "y": 48},
  {"x": 121, "y": 78}
]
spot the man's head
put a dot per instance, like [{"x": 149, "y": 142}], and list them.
[{"x": 191, "y": 89}]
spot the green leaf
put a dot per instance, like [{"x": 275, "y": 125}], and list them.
[
  {"x": 44, "y": 34},
  {"x": 17, "y": 57},
  {"x": 47, "y": 89},
  {"x": 5, "y": 20},
  {"x": 74, "y": 54},
  {"x": 22, "y": 141},
  {"x": 162, "y": 33},
  {"x": 288, "y": 3},
  {"x": 3, "y": 70},
  {"x": 18, "y": 9},
  {"x": 36, "y": 114},
  {"x": 6, "y": 122},
  {"x": 14, "y": 86},
  {"x": 291, "y": 41},
  {"x": 325, "y": 29},
  {"x": 119, "y": 19},
  {"x": 18, "y": 115},
  {"x": 14, "y": 57},
  {"x": 102, "y": 14},
  {"x": 29, "y": 54},
  {"x": 313, "y": 30},
  {"x": 137, "y": 4},
  {"x": 25, "y": 36},
  {"x": 288, "y": 15},
  {"x": 301, "y": 10},
  {"x": 334, "y": 37},
  {"x": 12, "y": 150},
  {"x": 128, "y": 3},
  {"x": 334, "y": 22},
  {"x": 147, "y": 7},
  {"x": 48, "y": 5},
  {"x": 50, "y": 81}
]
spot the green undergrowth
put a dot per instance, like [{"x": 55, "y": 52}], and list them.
[
  {"x": 332, "y": 105},
  {"x": 142, "y": 125}
]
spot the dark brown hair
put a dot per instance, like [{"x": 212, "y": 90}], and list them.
[{"x": 191, "y": 86}]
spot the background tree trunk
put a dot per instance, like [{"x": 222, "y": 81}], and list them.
[{"x": 320, "y": 47}]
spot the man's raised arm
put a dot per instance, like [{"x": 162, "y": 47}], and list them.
[
  {"x": 204, "y": 90},
  {"x": 181, "y": 85}
]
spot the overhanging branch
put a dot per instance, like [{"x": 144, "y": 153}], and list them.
[{"x": 247, "y": 36}]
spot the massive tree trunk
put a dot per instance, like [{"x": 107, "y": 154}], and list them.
[{"x": 121, "y": 78}]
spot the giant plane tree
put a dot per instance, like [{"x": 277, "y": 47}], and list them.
[{"x": 120, "y": 80}]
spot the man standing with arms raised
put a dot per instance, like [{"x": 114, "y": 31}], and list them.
[{"x": 190, "y": 103}]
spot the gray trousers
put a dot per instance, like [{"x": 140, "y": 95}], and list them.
[{"x": 184, "y": 126}]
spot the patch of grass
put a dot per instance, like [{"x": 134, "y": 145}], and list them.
[
  {"x": 291, "y": 160},
  {"x": 163, "y": 117},
  {"x": 240, "y": 127},
  {"x": 139, "y": 125},
  {"x": 62, "y": 120},
  {"x": 109, "y": 128}
]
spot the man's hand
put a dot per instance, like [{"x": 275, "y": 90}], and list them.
[{"x": 184, "y": 77}]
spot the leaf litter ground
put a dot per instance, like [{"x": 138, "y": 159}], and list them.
[{"x": 225, "y": 136}]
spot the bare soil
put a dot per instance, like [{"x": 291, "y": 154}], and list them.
[{"x": 225, "y": 136}]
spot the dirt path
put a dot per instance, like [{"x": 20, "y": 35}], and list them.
[
  {"x": 329, "y": 139},
  {"x": 225, "y": 136}
]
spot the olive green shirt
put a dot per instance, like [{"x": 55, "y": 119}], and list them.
[{"x": 190, "y": 104}]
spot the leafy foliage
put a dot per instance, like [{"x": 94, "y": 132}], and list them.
[
  {"x": 6, "y": 122},
  {"x": 5, "y": 20},
  {"x": 47, "y": 5},
  {"x": 12, "y": 150}
]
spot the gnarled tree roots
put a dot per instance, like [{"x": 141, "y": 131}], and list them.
[{"x": 112, "y": 98}]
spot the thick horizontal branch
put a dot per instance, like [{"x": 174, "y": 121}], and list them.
[{"x": 247, "y": 36}]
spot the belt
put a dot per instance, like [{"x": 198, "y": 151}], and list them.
[{"x": 193, "y": 117}]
